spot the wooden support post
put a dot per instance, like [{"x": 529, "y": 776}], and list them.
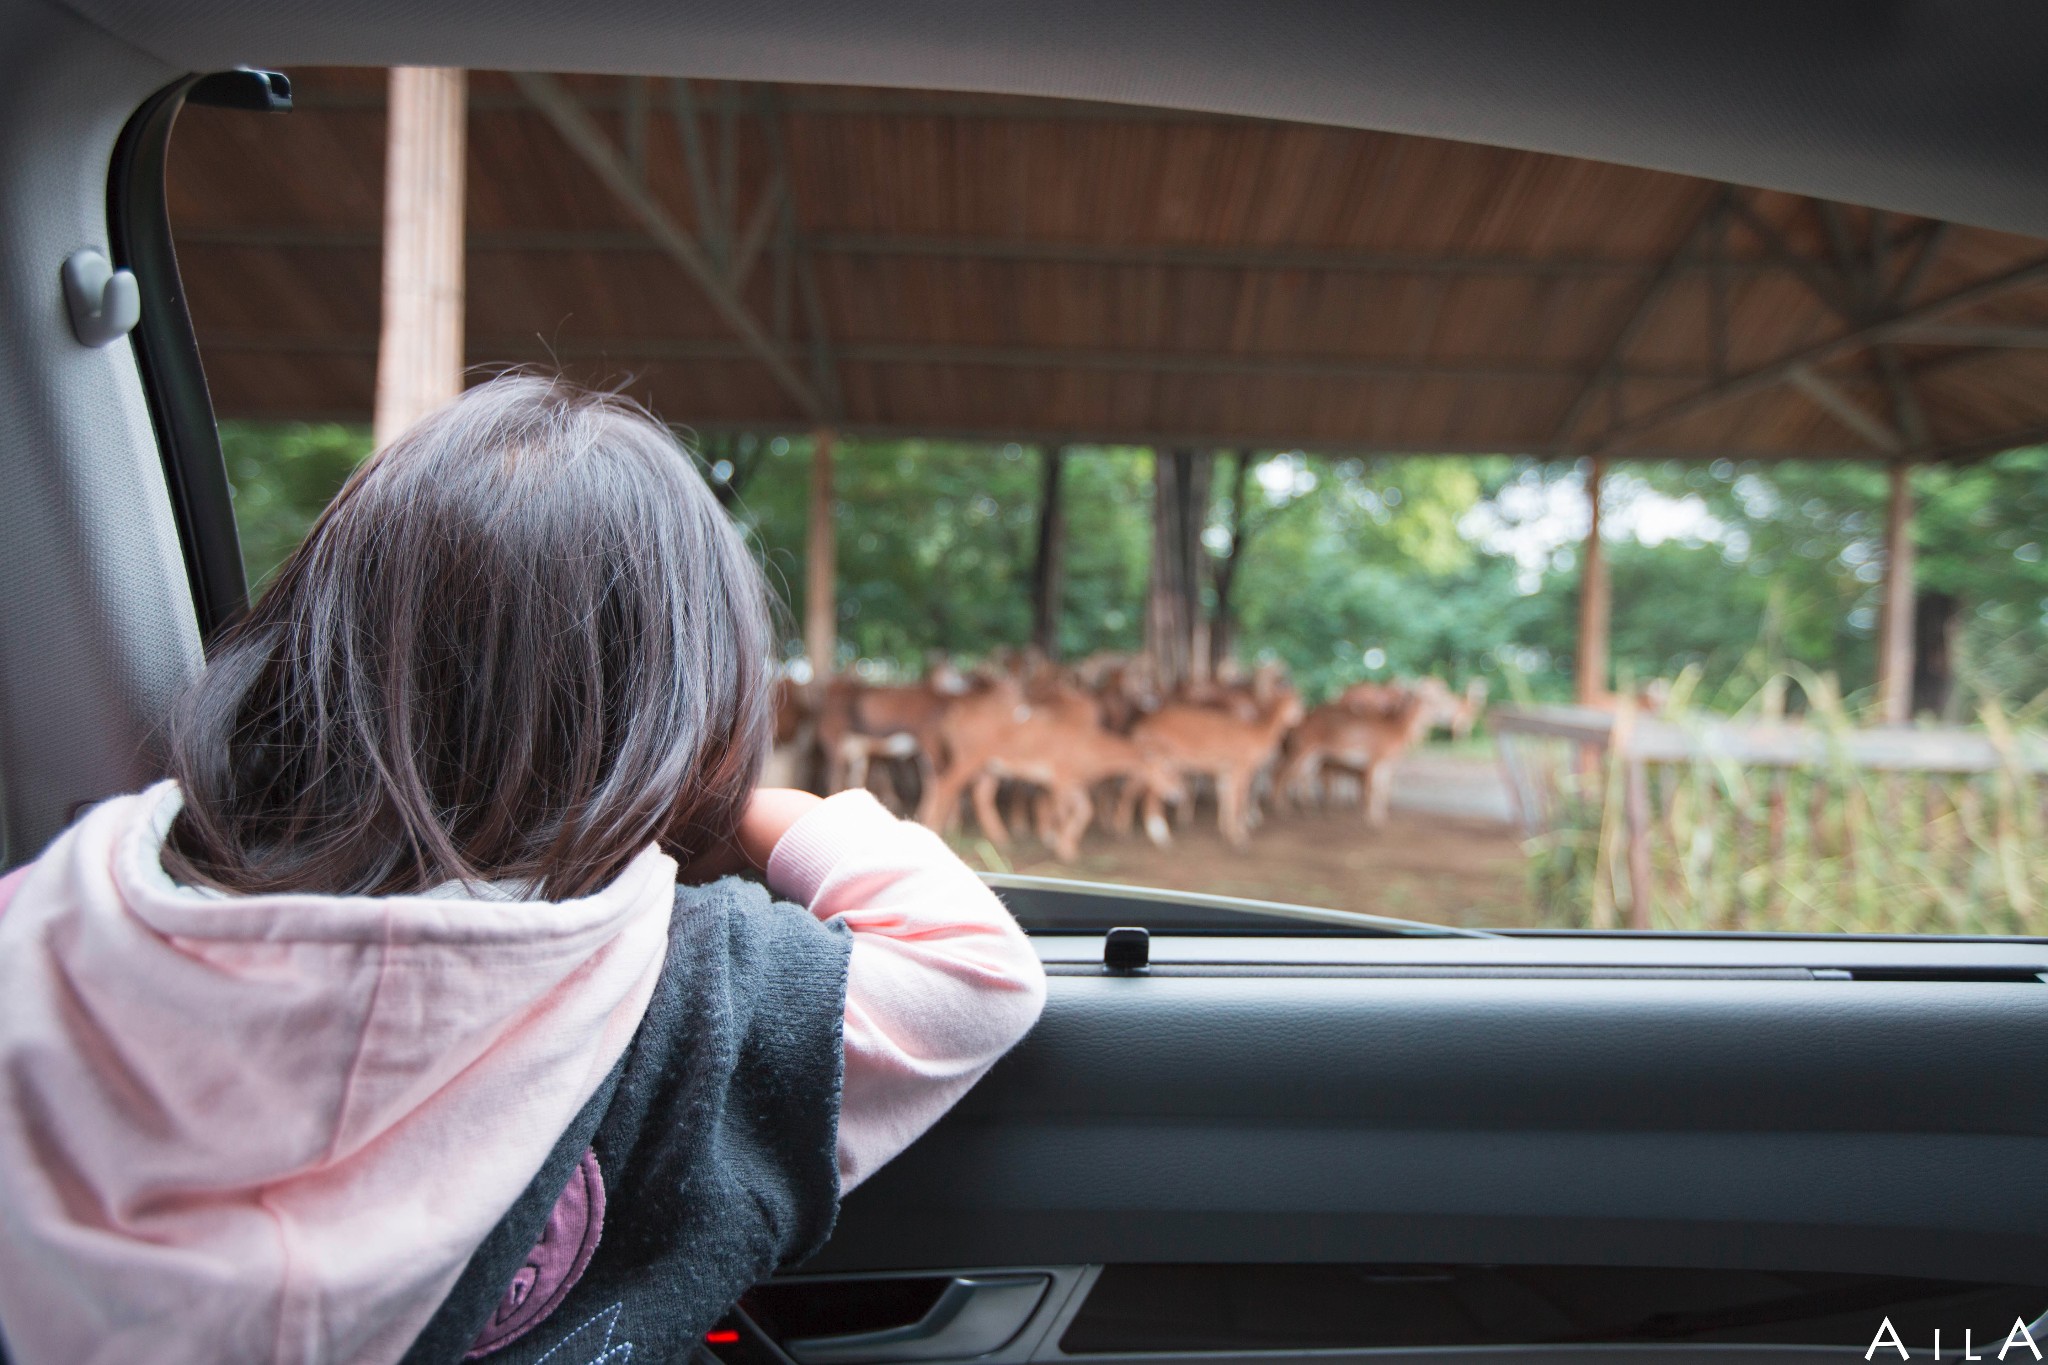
[
  {"x": 419, "y": 353},
  {"x": 1194, "y": 559},
  {"x": 1173, "y": 603},
  {"x": 1895, "y": 612},
  {"x": 821, "y": 605},
  {"x": 1223, "y": 572},
  {"x": 1168, "y": 634},
  {"x": 1595, "y": 599},
  {"x": 1636, "y": 812},
  {"x": 1049, "y": 569}
]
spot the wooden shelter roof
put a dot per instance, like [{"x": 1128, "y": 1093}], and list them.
[{"x": 891, "y": 262}]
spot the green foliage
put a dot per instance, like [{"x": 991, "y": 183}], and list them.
[
  {"x": 1352, "y": 567},
  {"x": 282, "y": 474},
  {"x": 1360, "y": 569},
  {"x": 1355, "y": 568},
  {"x": 1811, "y": 538},
  {"x": 936, "y": 543}
]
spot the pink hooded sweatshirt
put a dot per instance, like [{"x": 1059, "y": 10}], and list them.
[{"x": 274, "y": 1128}]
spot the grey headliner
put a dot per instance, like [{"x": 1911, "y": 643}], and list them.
[{"x": 1915, "y": 105}]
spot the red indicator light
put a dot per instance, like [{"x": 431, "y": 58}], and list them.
[{"x": 727, "y": 1337}]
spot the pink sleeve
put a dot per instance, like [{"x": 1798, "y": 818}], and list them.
[
  {"x": 8, "y": 884},
  {"x": 941, "y": 981}
]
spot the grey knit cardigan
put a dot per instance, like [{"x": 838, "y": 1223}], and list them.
[{"x": 716, "y": 1135}]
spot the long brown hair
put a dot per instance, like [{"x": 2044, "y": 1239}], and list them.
[{"x": 522, "y": 643}]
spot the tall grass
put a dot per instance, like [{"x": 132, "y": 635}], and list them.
[{"x": 1828, "y": 848}]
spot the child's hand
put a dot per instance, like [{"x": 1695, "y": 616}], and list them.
[{"x": 769, "y": 814}]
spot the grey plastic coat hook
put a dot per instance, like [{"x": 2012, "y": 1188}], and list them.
[{"x": 105, "y": 303}]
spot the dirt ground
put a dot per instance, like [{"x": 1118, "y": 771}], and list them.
[{"x": 1447, "y": 855}]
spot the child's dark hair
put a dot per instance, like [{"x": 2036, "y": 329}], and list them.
[{"x": 522, "y": 643}]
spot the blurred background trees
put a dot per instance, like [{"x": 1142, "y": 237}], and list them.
[{"x": 1347, "y": 568}]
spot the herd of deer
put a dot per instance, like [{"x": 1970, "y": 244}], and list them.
[{"x": 1101, "y": 738}]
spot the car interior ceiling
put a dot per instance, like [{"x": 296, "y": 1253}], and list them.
[{"x": 1257, "y": 1141}]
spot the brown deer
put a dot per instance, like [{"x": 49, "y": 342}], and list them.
[
  {"x": 1208, "y": 742},
  {"x": 1470, "y": 707},
  {"x": 1450, "y": 710},
  {"x": 1068, "y": 758},
  {"x": 1057, "y": 743},
  {"x": 858, "y": 722},
  {"x": 788, "y": 763},
  {"x": 1371, "y": 741},
  {"x": 1126, "y": 687},
  {"x": 1243, "y": 697},
  {"x": 971, "y": 732},
  {"x": 1368, "y": 698}
]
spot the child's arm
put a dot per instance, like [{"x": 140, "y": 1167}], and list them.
[{"x": 941, "y": 981}]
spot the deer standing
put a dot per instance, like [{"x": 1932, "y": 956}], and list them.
[
  {"x": 1127, "y": 688},
  {"x": 788, "y": 759},
  {"x": 1450, "y": 710},
  {"x": 1372, "y": 741},
  {"x": 1202, "y": 741},
  {"x": 1067, "y": 759},
  {"x": 858, "y": 723}
]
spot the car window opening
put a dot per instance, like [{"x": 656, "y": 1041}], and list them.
[{"x": 1154, "y": 506}]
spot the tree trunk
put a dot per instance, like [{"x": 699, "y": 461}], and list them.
[
  {"x": 1223, "y": 618},
  {"x": 1936, "y": 617},
  {"x": 1173, "y": 607},
  {"x": 1049, "y": 569}
]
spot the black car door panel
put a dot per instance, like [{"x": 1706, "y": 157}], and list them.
[{"x": 1377, "y": 1146}]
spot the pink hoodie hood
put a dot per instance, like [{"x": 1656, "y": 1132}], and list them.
[{"x": 247, "y": 1129}]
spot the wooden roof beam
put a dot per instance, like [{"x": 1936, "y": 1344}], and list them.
[
  {"x": 1861, "y": 292},
  {"x": 1996, "y": 443},
  {"x": 1603, "y": 375},
  {"x": 1219, "y": 364},
  {"x": 803, "y": 263},
  {"x": 1814, "y": 357},
  {"x": 1106, "y": 434},
  {"x": 1206, "y": 439},
  {"x": 1011, "y": 249},
  {"x": 885, "y": 353},
  {"x": 1223, "y": 364},
  {"x": 1916, "y": 270},
  {"x": 1909, "y": 415},
  {"x": 1824, "y": 282},
  {"x": 1974, "y": 337},
  {"x": 712, "y": 225},
  {"x": 1854, "y": 288},
  {"x": 1845, "y": 409},
  {"x": 1255, "y": 258},
  {"x": 763, "y": 221},
  {"x": 612, "y": 168}
]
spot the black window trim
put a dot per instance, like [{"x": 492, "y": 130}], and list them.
[{"x": 167, "y": 356}]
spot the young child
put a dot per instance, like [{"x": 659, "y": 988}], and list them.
[{"x": 383, "y": 1031}]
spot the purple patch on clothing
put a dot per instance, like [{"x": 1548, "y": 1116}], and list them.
[{"x": 554, "y": 1265}]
